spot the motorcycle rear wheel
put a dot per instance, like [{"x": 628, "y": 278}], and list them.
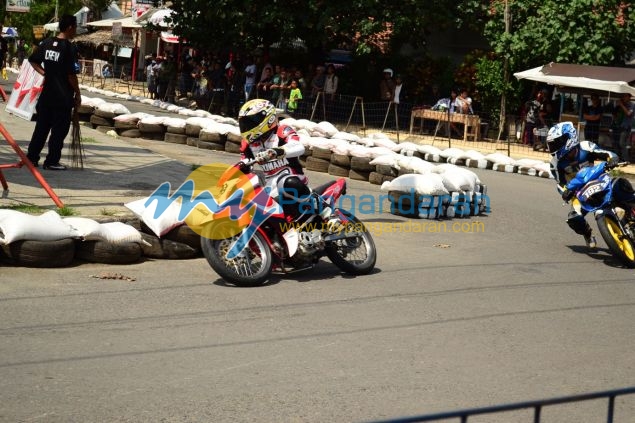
[
  {"x": 619, "y": 243},
  {"x": 356, "y": 256},
  {"x": 251, "y": 268}
]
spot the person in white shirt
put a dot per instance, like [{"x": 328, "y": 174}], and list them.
[{"x": 250, "y": 77}]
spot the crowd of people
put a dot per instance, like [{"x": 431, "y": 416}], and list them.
[
  {"x": 540, "y": 114},
  {"x": 224, "y": 85}
]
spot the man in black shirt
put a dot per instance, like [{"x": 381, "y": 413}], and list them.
[{"x": 56, "y": 59}]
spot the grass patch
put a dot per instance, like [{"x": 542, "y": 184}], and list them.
[
  {"x": 615, "y": 173},
  {"x": 107, "y": 212},
  {"x": 89, "y": 140},
  {"x": 26, "y": 208},
  {"x": 66, "y": 211},
  {"x": 194, "y": 167}
]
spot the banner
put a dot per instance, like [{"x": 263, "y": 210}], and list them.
[
  {"x": 139, "y": 7},
  {"x": 26, "y": 91},
  {"x": 18, "y": 6}
]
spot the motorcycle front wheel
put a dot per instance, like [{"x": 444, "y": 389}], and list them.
[
  {"x": 355, "y": 255},
  {"x": 619, "y": 243},
  {"x": 252, "y": 267}
]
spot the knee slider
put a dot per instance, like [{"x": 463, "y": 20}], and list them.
[{"x": 577, "y": 222}]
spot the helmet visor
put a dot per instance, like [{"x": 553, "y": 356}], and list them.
[
  {"x": 248, "y": 123},
  {"x": 556, "y": 144}
]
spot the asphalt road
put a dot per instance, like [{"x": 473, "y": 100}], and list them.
[
  {"x": 448, "y": 320},
  {"x": 521, "y": 310}
]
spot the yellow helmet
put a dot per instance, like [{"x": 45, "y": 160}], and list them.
[{"x": 257, "y": 119}]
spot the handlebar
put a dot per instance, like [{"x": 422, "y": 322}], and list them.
[{"x": 613, "y": 165}]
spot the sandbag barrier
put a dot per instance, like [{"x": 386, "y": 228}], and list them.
[{"x": 179, "y": 243}]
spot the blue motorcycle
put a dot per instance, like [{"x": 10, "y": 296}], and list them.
[{"x": 611, "y": 200}]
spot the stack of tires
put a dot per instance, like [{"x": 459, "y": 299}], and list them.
[
  {"x": 232, "y": 145},
  {"x": 383, "y": 173},
  {"x": 210, "y": 140},
  {"x": 340, "y": 165},
  {"x": 152, "y": 128},
  {"x": 175, "y": 131},
  {"x": 319, "y": 160},
  {"x": 361, "y": 168},
  {"x": 103, "y": 121}
]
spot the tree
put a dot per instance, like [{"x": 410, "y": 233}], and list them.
[
  {"x": 366, "y": 26},
  {"x": 592, "y": 32}
]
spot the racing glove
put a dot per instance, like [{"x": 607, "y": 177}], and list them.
[
  {"x": 567, "y": 195},
  {"x": 269, "y": 154}
]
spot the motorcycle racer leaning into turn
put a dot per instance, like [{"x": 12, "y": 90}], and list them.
[
  {"x": 277, "y": 148},
  {"x": 569, "y": 155}
]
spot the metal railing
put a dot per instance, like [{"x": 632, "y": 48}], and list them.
[{"x": 537, "y": 406}]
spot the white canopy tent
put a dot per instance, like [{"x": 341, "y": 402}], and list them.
[{"x": 585, "y": 77}]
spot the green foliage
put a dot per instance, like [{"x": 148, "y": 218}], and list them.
[{"x": 365, "y": 26}]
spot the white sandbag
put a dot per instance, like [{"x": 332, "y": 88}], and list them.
[
  {"x": 341, "y": 147},
  {"x": 319, "y": 142},
  {"x": 379, "y": 151},
  {"x": 16, "y": 226},
  {"x": 359, "y": 151},
  {"x": 499, "y": 158},
  {"x": 202, "y": 113},
  {"x": 472, "y": 155},
  {"x": 429, "y": 149},
  {"x": 408, "y": 148},
  {"x": 428, "y": 184},
  {"x": 440, "y": 168},
  {"x": 174, "y": 122},
  {"x": 328, "y": 128},
  {"x": 159, "y": 225},
  {"x": 305, "y": 138},
  {"x": 226, "y": 120},
  {"x": 288, "y": 121},
  {"x": 87, "y": 229},
  {"x": 459, "y": 180},
  {"x": 92, "y": 101},
  {"x": 421, "y": 166},
  {"x": 153, "y": 120},
  {"x": 378, "y": 136},
  {"x": 199, "y": 121},
  {"x": 131, "y": 117},
  {"x": 451, "y": 152},
  {"x": 386, "y": 160},
  {"x": 304, "y": 124},
  {"x": 174, "y": 108},
  {"x": 119, "y": 233},
  {"x": 366, "y": 141},
  {"x": 346, "y": 136},
  {"x": 543, "y": 167},
  {"x": 317, "y": 131},
  {"x": 531, "y": 163},
  {"x": 386, "y": 143},
  {"x": 187, "y": 112}
]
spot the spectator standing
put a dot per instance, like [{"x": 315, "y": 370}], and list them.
[
  {"x": 401, "y": 94},
  {"x": 297, "y": 75},
  {"x": 250, "y": 77},
  {"x": 186, "y": 76},
  {"x": 295, "y": 95},
  {"x": 264, "y": 85},
  {"x": 4, "y": 50},
  {"x": 56, "y": 60},
  {"x": 151, "y": 78},
  {"x": 534, "y": 118},
  {"x": 592, "y": 114},
  {"x": 387, "y": 86},
  {"x": 318, "y": 81},
  {"x": 330, "y": 83},
  {"x": 280, "y": 88},
  {"x": 622, "y": 125}
]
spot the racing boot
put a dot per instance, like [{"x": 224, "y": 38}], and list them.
[{"x": 590, "y": 240}]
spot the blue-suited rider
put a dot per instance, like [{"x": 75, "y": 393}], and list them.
[{"x": 569, "y": 155}]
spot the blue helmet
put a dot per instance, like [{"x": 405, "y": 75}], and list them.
[{"x": 561, "y": 139}]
